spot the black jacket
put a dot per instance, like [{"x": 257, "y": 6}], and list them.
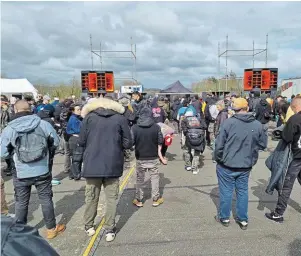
[
  {"x": 263, "y": 111},
  {"x": 46, "y": 116},
  {"x": 278, "y": 163},
  {"x": 238, "y": 141},
  {"x": 175, "y": 108},
  {"x": 104, "y": 135},
  {"x": 147, "y": 136},
  {"x": 292, "y": 134},
  {"x": 130, "y": 116},
  {"x": 197, "y": 105},
  {"x": 221, "y": 117},
  {"x": 22, "y": 240}
]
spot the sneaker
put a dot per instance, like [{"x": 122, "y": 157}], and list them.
[
  {"x": 110, "y": 235},
  {"x": 225, "y": 223},
  {"x": 188, "y": 168},
  {"x": 195, "y": 171},
  {"x": 52, "y": 233},
  {"x": 275, "y": 217},
  {"x": 242, "y": 224},
  {"x": 213, "y": 161},
  {"x": 158, "y": 202},
  {"x": 137, "y": 203},
  {"x": 11, "y": 215},
  {"x": 91, "y": 231},
  {"x": 55, "y": 182}
]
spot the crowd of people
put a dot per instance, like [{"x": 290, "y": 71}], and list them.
[{"x": 99, "y": 136}]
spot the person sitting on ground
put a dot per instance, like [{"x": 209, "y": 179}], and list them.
[
  {"x": 193, "y": 129},
  {"x": 30, "y": 138},
  {"x": 237, "y": 144},
  {"x": 147, "y": 139}
]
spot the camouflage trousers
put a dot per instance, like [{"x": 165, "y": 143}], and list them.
[
  {"x": 152, "y": 166},
  {"x": 191, "y": 158}
]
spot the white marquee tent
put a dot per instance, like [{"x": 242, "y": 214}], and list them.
[{"x": 17, "y": 86}]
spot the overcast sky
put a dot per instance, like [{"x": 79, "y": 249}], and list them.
[{"x": 49, "y": 41}]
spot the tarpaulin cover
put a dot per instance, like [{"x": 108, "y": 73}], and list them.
[
  {"x": 176, "y": 87},
  {"x": 16, "y": 86}
]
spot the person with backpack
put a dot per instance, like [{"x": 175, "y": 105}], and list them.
[
  {"x": 263, "y": 112},
  {"x": 193, "y": 129},
  {"x": 31, "y": 138}
]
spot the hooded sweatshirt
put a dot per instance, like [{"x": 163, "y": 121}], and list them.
[
  {"x": 238, "y": 141},
  {"x": 147, "y": 136},
  {"x": 263, "y": 111},
  {"x": 25, "y": 122}
]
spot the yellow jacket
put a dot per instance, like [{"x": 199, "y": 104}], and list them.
[
  {"x": 203, "y": 106},
  {"x": 289, "y": 113}
]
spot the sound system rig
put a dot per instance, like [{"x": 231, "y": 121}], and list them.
[
  {"x": 261, "y": 79},
  {"x": 95, "y": 83}
]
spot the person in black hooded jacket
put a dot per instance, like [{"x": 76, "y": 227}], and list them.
[
  {"x": 103, "y": 137},
  {"x": 148, "y": 139},
  {"x": 263, "y": 111}
]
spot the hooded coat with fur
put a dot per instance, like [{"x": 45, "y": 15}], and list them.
[{"x": 104, "y": 135}]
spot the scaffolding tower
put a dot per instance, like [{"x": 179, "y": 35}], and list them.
[
  {"x": 239, "y": 53},
  {"x": 129, "y": 54}
]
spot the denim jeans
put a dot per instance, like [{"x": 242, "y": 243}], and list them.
[
  {"x": 228, "y": 181},
  {"x": 44, "y": 190}
]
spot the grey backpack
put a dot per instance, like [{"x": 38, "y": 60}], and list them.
[{"x": 31, "y": 146}]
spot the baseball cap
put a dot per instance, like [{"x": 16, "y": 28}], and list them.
[{"x": 239, "y": 103}]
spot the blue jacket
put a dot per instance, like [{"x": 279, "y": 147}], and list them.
[
  {"x": 238, "y": 141},
  {"x": 8, "y": 138},
  {"x": 73, "y": 125}
]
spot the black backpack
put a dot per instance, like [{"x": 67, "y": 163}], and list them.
[{"x": 31, "y": 146}]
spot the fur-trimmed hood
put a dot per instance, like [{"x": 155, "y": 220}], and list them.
[{"x": 103, "y": 103}]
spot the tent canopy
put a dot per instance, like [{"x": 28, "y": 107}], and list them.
[
  {"x": 16, "y": 86},
  {"x": 176, "y": 87}
]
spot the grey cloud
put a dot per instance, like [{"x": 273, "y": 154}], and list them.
[{"x": 50, "y": 40}]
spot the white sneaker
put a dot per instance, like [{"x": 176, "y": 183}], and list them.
[
  {"x": 90, "y": 231},
  {"x": 196, "y": 171},
  {"x": 110, "y": 236}
]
